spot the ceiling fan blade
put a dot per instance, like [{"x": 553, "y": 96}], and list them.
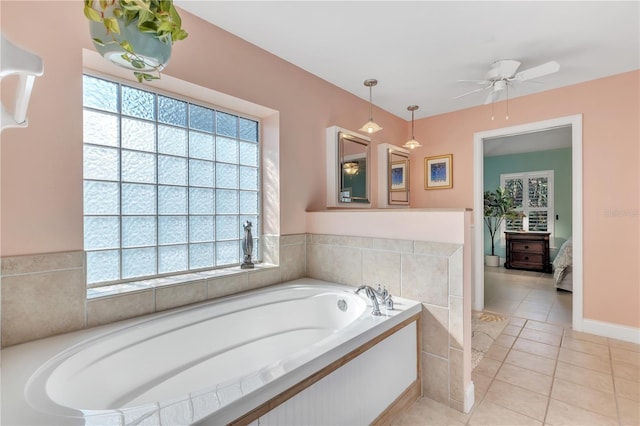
[
  {"x": 539, "y": 71},
  {"x": 502, "y": 69},
  {"x": 468, "y": 93},
  {"x": 473, "y": 81}
]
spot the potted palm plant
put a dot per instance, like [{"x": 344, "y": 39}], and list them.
[
  {"x": 498, "y": 206},
  {"x": 135, "y": 34}
]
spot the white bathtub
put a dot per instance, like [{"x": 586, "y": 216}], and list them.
[{"x": 214, "y": 361}]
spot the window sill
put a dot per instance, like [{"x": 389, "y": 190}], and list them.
[{"x": 143, "y": 285}]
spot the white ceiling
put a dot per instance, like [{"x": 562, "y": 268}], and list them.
[
  {"x": 418, "y": 49},
  {"x": 559, "y": 137}
]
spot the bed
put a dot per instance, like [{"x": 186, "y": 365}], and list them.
[{"x": 563, "y": 267}]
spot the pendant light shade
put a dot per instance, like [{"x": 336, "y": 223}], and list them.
[
  {"x": 370, "y": 126},
  {"x": 413, "y": 143}
]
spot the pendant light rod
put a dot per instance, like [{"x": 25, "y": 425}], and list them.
[
  {"x": 370, "y": 126},
  {"x": 413, "y": 143}
]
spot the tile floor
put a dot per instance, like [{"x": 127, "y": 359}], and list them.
[{"x": 539, "y": 371}]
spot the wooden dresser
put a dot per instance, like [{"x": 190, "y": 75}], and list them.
[{"x": 528, "y": 250}]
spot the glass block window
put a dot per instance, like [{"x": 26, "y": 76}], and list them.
[
  {"x": 168, "y": 184},
  {"x": 533, "y": 193}
]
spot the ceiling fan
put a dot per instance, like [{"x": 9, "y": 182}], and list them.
[{"x": 503, "y": 74}]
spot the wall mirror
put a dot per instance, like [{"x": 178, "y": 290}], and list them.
[
  {"x": 348, "y": 169},
  {"x": 398, "y": 176},
  {"x": 353, "y": 160}
]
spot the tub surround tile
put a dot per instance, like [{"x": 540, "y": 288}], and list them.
[
  {"x": 180, "y": 295},
  {"x": 435, "y": 249},
  {"x": 111, "y": 309},
  {"x": 435, "y": 333},
  {"x": 347, "y": 265},
  {"x": 385, "y": 244},
  {"x": 456, "y": 384},
  {"x": 456, "y": 324},
  {"x": 38, "y": 263},
  {"x": 425, "y": 278},
  {"x": 435, "y": 377},
  {"x": 293, "y": 261},
  {"x": 456, "y": 280},
  {"x": 225, "y": 286},
  {"x": 38, "y": 305},
  {"x": 381, "y": 267},
  {"x": 271, "y": 247},
  {"x": 293, "y": 239},
  {"x": 258, "y": 278},
  {"x": 319, "y": 262}
]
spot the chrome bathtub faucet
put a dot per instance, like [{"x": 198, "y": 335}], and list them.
[{"x": 371, "y": 294}]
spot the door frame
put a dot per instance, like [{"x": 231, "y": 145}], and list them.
[{"x": 575, "y": 121}]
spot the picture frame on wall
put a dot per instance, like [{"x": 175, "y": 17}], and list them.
[
  {"x": 438, "y": 172},
  {"x": 398, "y": 177}
]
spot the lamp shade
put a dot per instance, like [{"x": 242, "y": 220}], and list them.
[{"x": 370, "y": 127}]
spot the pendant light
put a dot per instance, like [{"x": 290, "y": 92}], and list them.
[
  {"x": 370, "y": 126},
  {"x": 413, "y": 143}
]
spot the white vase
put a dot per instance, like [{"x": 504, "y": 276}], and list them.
[{"x": 491, "y": 260}]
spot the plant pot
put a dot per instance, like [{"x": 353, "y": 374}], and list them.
[
  {"x": 154, "y": 53},
  {"x": 491, "y": 260}
]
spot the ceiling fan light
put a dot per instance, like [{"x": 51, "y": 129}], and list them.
[{"x": 370, "y": 127}]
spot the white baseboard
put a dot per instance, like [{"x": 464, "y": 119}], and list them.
[
  {"x": 613, "y": 331},
  {"x": 469, "y": 396}
]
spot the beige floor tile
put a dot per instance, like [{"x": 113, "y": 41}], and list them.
[
  {"x": 590, "y": 399},
  {"x": 629, "y": 412},
  {"x": 586, "y": 347},
  {"x": 532, "y": 315},
  {"x": 512, "y": 330},
  {"x": 517, "y": 399},
  {"x": 518, "y": 322},
  {"x": 541, "y": 336},
  {"x": 536, "y": 348},
  {"x": 578, "y": 335},
  {"x": 426, "y": 411},
  {"x": 585, "y": 377},
  {"x": 560, "y": 413},
  {"x": 487, "y": 367},
  {"x": 561, "y": 316},
  {"x": 497, "y": 352},
  {"x": 527, "y": 379},
  {"x": 488, "y": 413},
  {"x": 624, "y": 355},
  {"x": 505, "y": 340},
  {"x": 532, "y": 362},
  {"x": 581, "y": 359},
  {"x": 613, "y": 343},
  {"x": 547, "y": 328},
  {"x": 626, "y": 370},
  {"x": 480, "y": 386},
  {"x": 627, "y": 388}
]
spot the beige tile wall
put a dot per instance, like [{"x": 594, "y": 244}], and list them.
[
  {"x": 419, "y": 270},
  {"x": 44, "y": 295}
]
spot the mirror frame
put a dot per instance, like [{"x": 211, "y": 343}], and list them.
[
  {"x": 334, "y": 168},
  {"x": 342, "y": 138}
]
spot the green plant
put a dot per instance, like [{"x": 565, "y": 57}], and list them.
[
  {"x": 498, "y": 206},
  {"x": 156, "y": 17}
]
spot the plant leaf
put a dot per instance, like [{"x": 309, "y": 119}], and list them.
[
  {"x": 92, "y": 14},
  {"x": 138, "y": 63},
  {"x": 103, "y": 4},
  {"x": 111, "y": 24},
  {"x": 126, "y": 46},
  {"x": 98, "y": 42}
]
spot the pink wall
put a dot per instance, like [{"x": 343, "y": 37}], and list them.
[
  {"x": 611, "y": 177},
  {"x": 41, "y": 209},
  {"x": 41, "y": 169}
]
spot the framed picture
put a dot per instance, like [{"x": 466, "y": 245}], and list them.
[
  {"x": 437, "y": 172},
  {"x": 398, "y": 178}
]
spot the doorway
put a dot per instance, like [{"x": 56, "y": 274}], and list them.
[{"x": 575, "y": 122}]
